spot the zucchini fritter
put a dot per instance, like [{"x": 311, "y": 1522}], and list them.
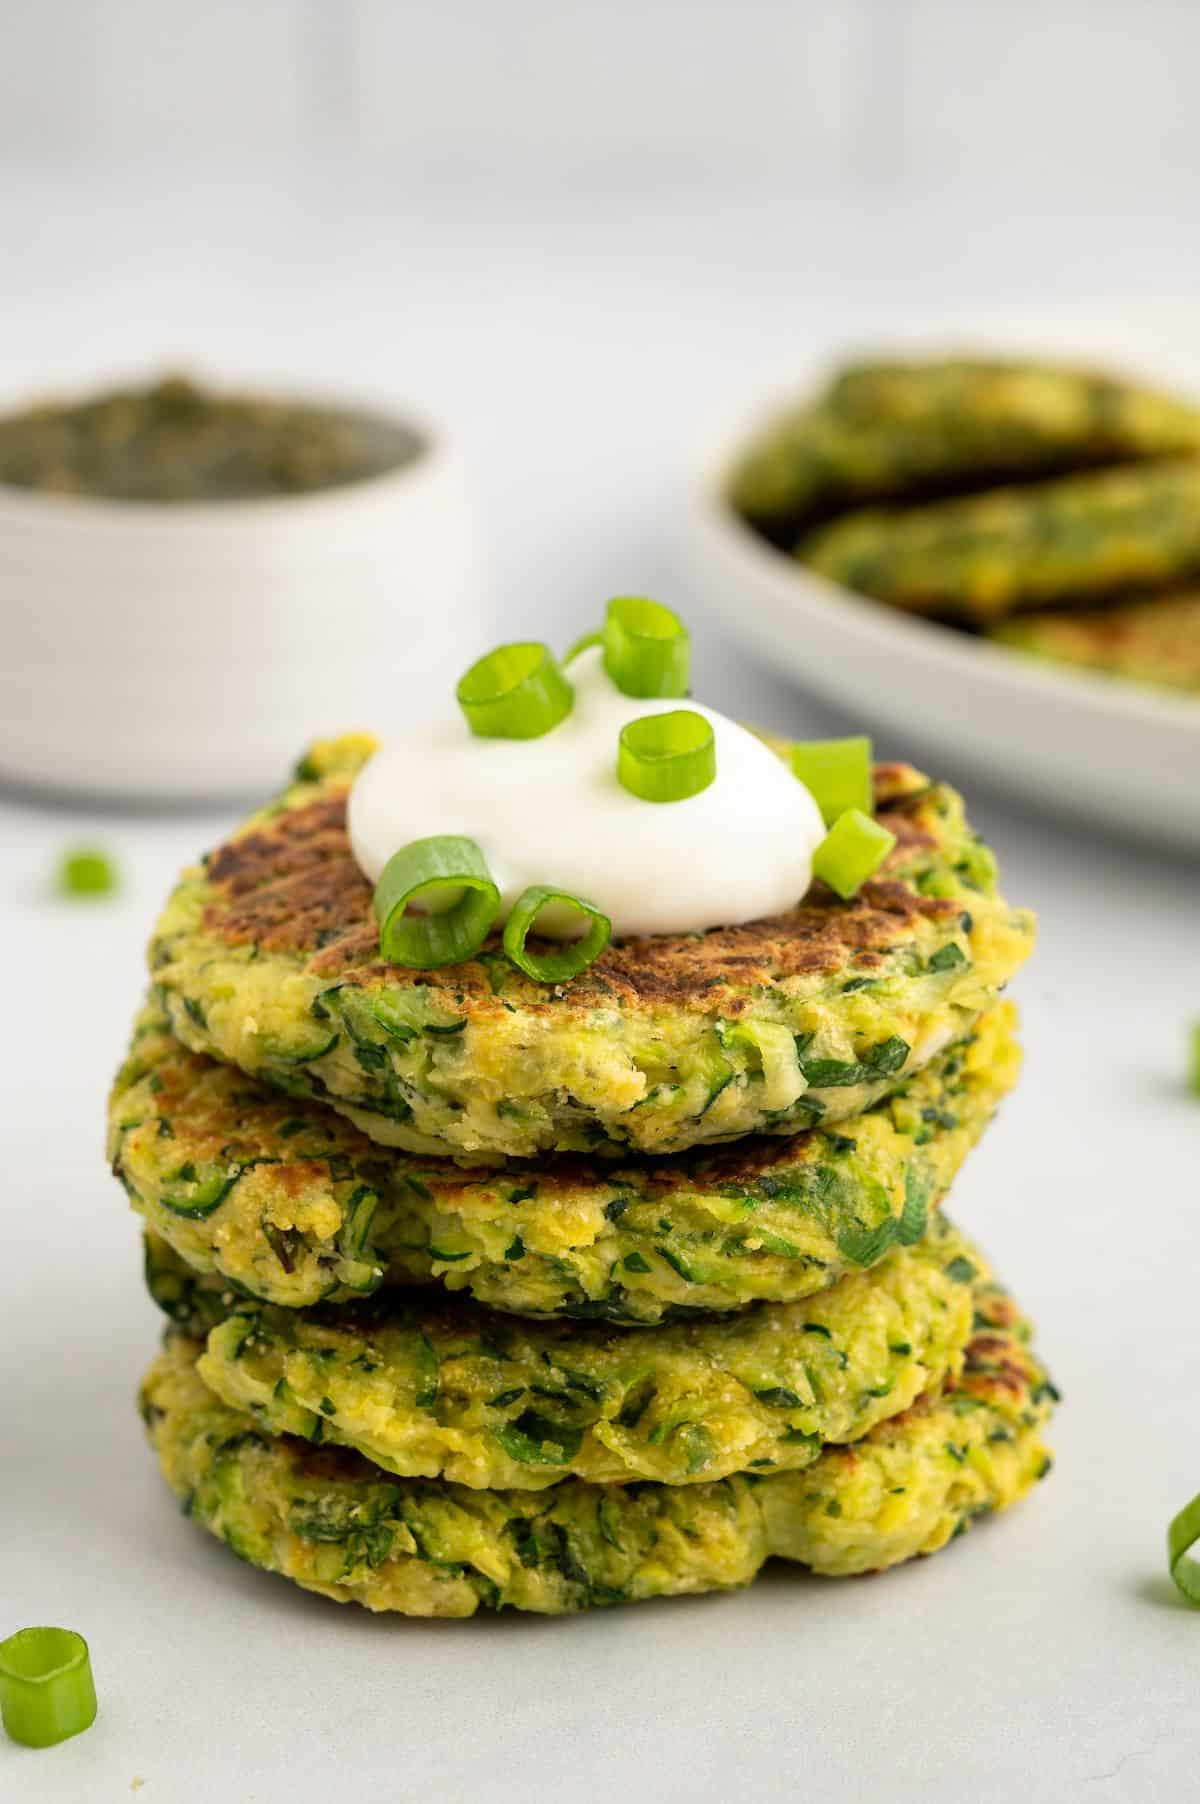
[
  {"x": 1156, "y": 640},
  {"x": 1039, "y": 416},
  {"x": 267, "y": 957},
  {"x": 977, "y": 559},
  {"x": 430, "y": 1388},
  {"x": 288, "y": 1203},
  {"x": 334, "y": 1523},
  {"x": 900, "y": 430}
]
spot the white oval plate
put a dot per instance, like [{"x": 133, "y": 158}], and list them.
[{"x": 1120, "y": 754}]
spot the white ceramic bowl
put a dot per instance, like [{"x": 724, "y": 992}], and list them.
[
  {"x": 1122, "y": 755},
  {"x": 190, "y": 650}
]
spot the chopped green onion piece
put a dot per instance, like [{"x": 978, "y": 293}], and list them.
[
  {"x": 86, "y": 871},
  {"x": 46, "y": 1687},
  {"x": 449, "y": 876},
  {"x": 852, "y": 850},
  {"x": 647, "y": 651},
  {"x": 1182, "y": 1536},
  {"x": 515, "y": 692},
  {"x": 838, "y": 774},
  {"x": 573, "y": 956},
  {"x": 1194, "y": 1074},
  {"x": 667, "y": 757}
]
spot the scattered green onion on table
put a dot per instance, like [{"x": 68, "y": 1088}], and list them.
[
  {"x": 1182, "y": 1536},
  {"x": 86, "y": 873},
  {"x": 47, "y": 1692}
]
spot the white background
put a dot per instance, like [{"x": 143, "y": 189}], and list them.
[
  {"x": 898, "y": 88},
  {"x": 576, "y": 309}
]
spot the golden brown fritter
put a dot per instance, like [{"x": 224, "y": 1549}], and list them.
[
  {"x": 919, "y": 429},
  {"x": 267, "y": 957},
  {"x": 430, "y": 1386},
  {"x": 288, "y": 1203},
  {"x": 1154, "y": 640},
  {"x": 334, "y": 1523},
  {"x": 1069, "y": 542}
]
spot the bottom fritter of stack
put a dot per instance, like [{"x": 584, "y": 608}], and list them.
[{"x": 318, "y": 1512}]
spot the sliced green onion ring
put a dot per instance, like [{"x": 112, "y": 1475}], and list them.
[
  {"x": 852, "y": 850},
  {"x": 47, "y": 1692},
  {"x": 1182, "y": 1536},
  {"x": 450, "y": 876},
  {"x": 837, "y": 773},
  {"x": 1194, "y": 1069},
  {"x": 86, "y": 871},
  {"x": 647, "y": 650},
  {"x": 515, "y": 692},
  {"x": 667, "y": 757},
  {"x": 573, "y": 956}
]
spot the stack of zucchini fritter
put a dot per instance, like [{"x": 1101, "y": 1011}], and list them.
[
  {"x": 486, "y": 1293},
  {"x": 1055, "y": 509}
]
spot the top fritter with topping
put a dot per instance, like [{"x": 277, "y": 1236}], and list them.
[{"x": 267, "y": 956}]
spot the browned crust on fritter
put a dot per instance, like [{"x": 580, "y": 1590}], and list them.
[
  {"x": 996, "y": 1364},
  {"x": 291, "y": 886},
  {"x": 229, "y": 1122}
]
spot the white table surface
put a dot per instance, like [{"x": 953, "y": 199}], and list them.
[{"x": 1044, "y": 1657}]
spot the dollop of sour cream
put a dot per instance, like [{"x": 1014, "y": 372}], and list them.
[{"x": 551, "y": 811}]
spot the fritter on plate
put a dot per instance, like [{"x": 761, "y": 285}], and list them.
[
  {"x": 905, "y": 430},
  {"x": 1072, "y": 541},
  {"x": 1156, "y": 640}
]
